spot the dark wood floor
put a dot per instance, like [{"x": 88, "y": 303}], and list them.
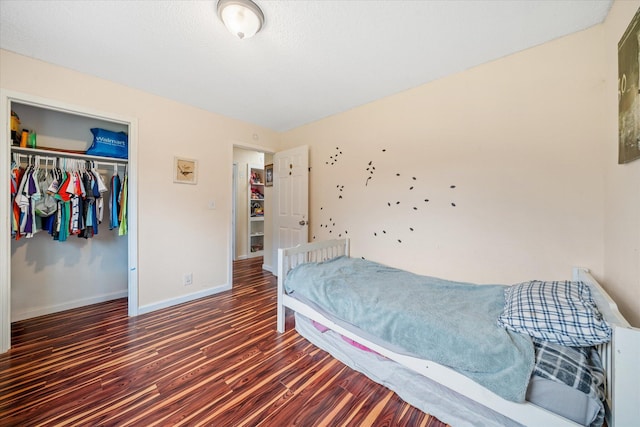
[{"x": 217, "y": 361}]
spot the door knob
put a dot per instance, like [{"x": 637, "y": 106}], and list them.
[{"x": 303, "y": 222}]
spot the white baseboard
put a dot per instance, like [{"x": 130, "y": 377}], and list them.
[
  {"x": 184, "y": 298},
  {"x": 41, "y": 311},
  {"x": 241, "y": 257},
  {"x": 268, "y": 268}
]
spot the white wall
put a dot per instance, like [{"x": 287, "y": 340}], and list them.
[
  {"x": 178, "y": 233},
  {"x": 49, "y": 276}
]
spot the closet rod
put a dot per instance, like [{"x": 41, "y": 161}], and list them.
[
  {"x": 28, "y": 157},
  {"x": 45, "y": 159},
  {"x": 50, "y": 153}
]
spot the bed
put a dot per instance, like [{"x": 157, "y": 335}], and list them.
[{"x": 440, "y": 390}]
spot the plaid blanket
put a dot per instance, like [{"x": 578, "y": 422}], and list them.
[{"x": 577, "y": 367}]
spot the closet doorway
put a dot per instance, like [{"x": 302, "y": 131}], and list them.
[
  {"x": 68, "y": 115},
  {"x": 252, "y": 205}
]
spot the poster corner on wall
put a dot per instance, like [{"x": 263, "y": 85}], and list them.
[
  {"x": 268, "y": 174},
  {"x": 629, "y": 92}
]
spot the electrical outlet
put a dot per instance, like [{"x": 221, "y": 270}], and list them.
[{"x": 187, "y": 279}]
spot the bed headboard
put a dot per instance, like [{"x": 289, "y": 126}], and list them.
[
  {"x": 311, "y": 252},
  {"x": 288, "y": 258},
  {"x": 620, "y": 357}
]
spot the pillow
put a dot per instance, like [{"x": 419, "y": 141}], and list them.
[
  {"x": 558, "y": 312},
  {"x": 109, "y": 144}
]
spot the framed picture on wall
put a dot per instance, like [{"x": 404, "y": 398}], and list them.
[
  {"x": 268, "y": 175},
  {"x": 185, "y": 171},
  {"x": 629, "y": 93}
]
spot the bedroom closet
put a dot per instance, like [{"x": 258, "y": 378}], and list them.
[{"x": 93, "y": 258}]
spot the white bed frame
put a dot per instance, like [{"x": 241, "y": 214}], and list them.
[{"x": 621, "y": 357}]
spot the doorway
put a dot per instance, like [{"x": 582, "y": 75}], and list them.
[
  {"x": 286, "y": 207},
  {"x": 252, "y": 201}
]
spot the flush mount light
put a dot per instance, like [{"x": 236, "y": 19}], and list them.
[{"x": 243, "y": 18}]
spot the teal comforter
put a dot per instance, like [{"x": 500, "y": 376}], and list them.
[{"x": 447, "y": 322}]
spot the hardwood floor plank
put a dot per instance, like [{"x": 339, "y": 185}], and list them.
[
  {"x": 99, "y": 414},
  {"x": 176, "y": 406},
  {"x": 216, "y": 361},
  {"x": 48, "y": 408},
  {"x": 234, "y": 411}
]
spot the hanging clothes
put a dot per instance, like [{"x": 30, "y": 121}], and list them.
[
  {"x": 53, "y": 225},
  {"x": 61, "y": 231},
  {"x": 122, "y": 230},
  {"x": 114, "y": 204},
  {"x": 28, "y": 191},
  {"x": 76, "y": 203},
  {"x": 89, "y": 206},
  {"x": 64, "y": 199},
  {"x": 99, "y": 188},
  {"x": 16, "y": 178},
  {"x": 45, "y": 205}
]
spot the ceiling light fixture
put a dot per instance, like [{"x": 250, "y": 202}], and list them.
[{"x": 243, "y": 18}]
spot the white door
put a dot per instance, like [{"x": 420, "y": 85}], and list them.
[{"x": 291, "y": 198}]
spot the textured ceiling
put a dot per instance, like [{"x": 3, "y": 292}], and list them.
[{"x": 311, "y": 60}]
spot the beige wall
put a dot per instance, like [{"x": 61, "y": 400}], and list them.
[
  {"x": 177, "y": 231},
  {"x": 622, "y": 183},
  {"x": 526, "y": 140}
]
